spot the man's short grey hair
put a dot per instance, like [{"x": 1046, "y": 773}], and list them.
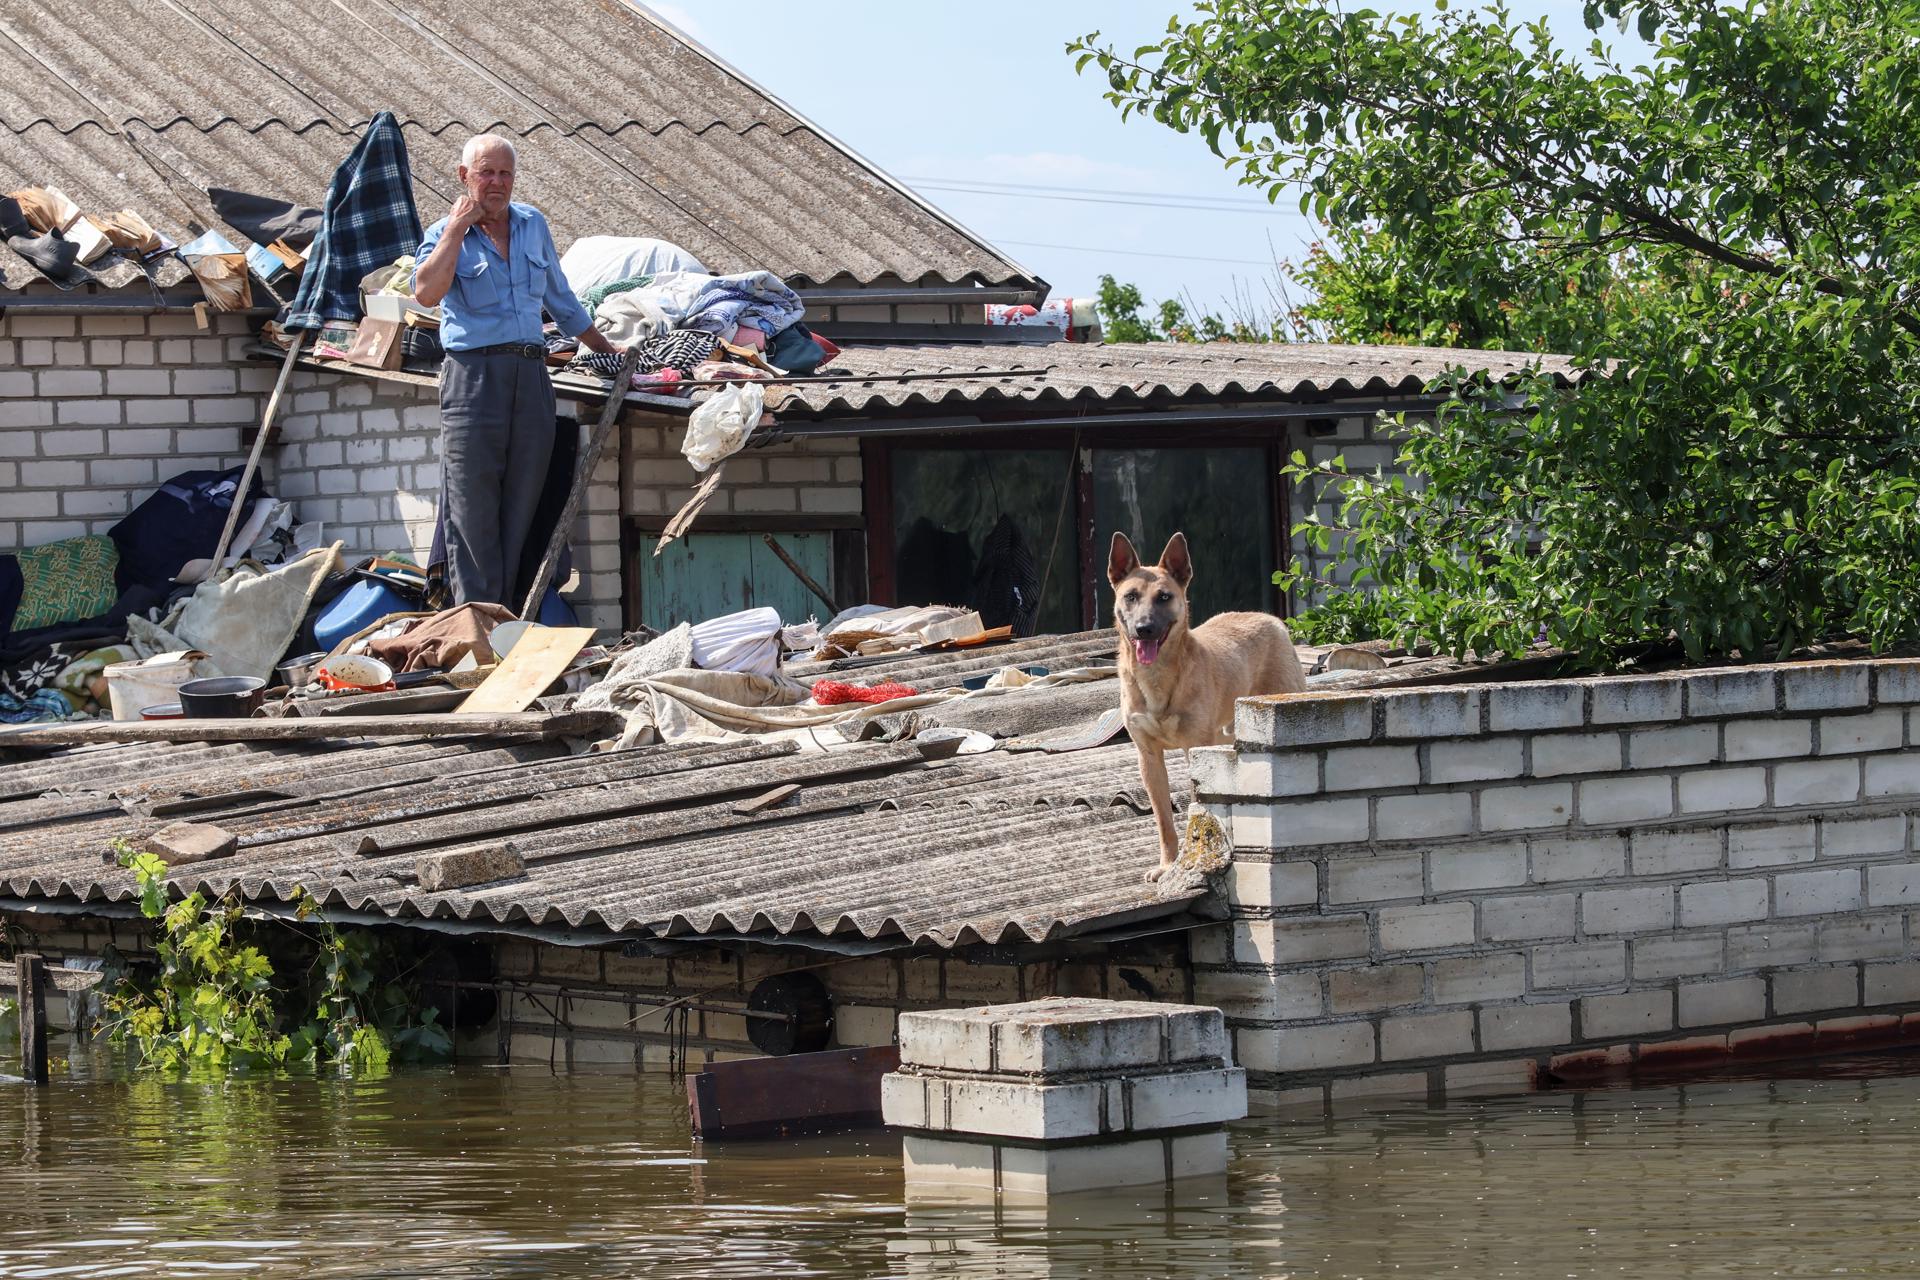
[{"x": 480, "y": 142}]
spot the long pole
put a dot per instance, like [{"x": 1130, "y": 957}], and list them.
[
  {"x": 259, "y": 447},
  {"x": 563, "y": 528}
]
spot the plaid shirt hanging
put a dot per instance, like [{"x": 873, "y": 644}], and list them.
[{"x": 369, "y": 220}]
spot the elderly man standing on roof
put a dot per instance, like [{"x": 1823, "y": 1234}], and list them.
[{"x": 491, "y": 266}]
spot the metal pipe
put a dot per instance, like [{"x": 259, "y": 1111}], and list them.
[
  {"x": 1254, "y": 414},
  {"x": 41, "y": 305},
  {"x": 938, "y": 297}
]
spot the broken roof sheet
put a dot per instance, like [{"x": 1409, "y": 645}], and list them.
[
  {"x": 878, "y": 846},
  {"x": 1143, "y": 373},
  {"x": 623, "y": 127}
]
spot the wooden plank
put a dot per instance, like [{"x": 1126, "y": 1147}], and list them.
[
  {"x": 537, "y": 659},
  {"x": 567, "y": 724},
  {"x": 794, "y": 567},
  {"x": 747, "y": 808},
  {"x": 30, "y": 982},
  {"x": 803, "y": 1093},
  {"x": 65, "y": 981}
]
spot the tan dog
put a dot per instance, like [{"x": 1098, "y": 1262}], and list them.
[{"x": 1178, "y": 683}]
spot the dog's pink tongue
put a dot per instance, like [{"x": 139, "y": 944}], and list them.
[{"x": 1146, "y": 651}]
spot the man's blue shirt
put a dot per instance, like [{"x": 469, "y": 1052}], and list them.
[{"x": 494, "y": 300}]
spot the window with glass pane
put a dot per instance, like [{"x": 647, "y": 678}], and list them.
[
  {"x": 1221, "y": 498},
  {"x": 974, "y": 527}
]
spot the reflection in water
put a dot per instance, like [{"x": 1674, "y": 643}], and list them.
[{"x": 481, "y": 1172}]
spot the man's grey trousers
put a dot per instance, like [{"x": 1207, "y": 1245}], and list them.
[{"x": 496, "y": 437}]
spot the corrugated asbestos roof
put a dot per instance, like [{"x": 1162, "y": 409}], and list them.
[
  {"x": 879, "y": 844},
  {"x": 1144, "y": 373},
  {"x": 623, "y": 127}
]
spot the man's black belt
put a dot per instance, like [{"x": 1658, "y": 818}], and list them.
[{"x": 525, "y": 350}]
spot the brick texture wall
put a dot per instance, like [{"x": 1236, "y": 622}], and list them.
[
  {"x": 95, "y": 411},
  {"x": 1367, "y": 445},
  {"x": 1493, "y": 886},
  {"x": 799, "y": 477}
]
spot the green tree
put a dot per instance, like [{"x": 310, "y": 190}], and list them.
[
  {"x": 1741, "y": 218},
  {"x": 1120, "y": 318}
]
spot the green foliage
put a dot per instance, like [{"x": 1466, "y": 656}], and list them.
[
  {"x": 1726, "y": 240},
  {"x": 213, "y": 1006},
  {"x": 1120, "y": 318}
]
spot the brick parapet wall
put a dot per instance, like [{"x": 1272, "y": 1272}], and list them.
[{"x": 1490, "y": 886}]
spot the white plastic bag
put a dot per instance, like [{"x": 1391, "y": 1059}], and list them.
[{"x": 722, "y": 423}]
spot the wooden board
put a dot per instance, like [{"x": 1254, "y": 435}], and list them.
[
  {"x": 802, "y": 1093},
  {"x": 69, "y": 981},
  {"x": 538, "y": 658},
  {"x": 707, "y": 575},
  {"x": 569, "y": 724}
]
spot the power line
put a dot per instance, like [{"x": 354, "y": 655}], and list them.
[
  {"x": 1092, "y": 191},
  {"x": 1186, "y": 206},
  {"x": 1131, "y": 253}
]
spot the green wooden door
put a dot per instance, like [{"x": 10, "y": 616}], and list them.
[{"x": 707, "y": 575}]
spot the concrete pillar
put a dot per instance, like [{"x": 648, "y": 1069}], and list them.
[{"x": 1063, "y": 1095}]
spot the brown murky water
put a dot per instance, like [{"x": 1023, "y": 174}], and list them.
[{"x": 481, "y": 1172}]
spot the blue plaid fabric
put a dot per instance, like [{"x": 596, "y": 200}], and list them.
[{"x": 368, "y": 221}]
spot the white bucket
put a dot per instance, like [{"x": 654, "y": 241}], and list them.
[{"x": 134, "y": 686}]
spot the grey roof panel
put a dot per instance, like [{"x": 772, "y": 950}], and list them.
[
  {"x": 1136, "y": 372},
  {"x": 878, "y": 845},
  {"x": 624, "y": 128}
]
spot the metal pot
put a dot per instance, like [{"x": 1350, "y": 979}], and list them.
[
  {"x": 297, "y": 673},
  {"x": 222, "y": 697}
]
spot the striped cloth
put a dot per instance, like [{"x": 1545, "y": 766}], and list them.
[
  {"x": 368, "y": 221},
  {"x": 683, "y": 349}
]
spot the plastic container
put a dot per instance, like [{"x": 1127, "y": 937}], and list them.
[
  {"x": 165, "y": 711},
  {"x": 133, "y": 686},
  {"x": 555, "y": 611},
  {"x": 222, "y": 697},
  {"x": 355, "y": 609}
]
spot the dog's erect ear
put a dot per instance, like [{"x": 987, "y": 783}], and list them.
[
  {"x": 1121, "y": 559},
  {"x": 1177, "y": 561}
]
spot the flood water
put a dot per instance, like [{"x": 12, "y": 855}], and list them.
[{"x": 473, "y": 1171}]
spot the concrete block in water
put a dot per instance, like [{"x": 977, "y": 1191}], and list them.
[
  {"x": 1058, "y": 1036},
  {"x": 957, "y": 1164}
]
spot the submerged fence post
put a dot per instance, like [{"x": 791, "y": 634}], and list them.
[{"x": 30, "y": 977}]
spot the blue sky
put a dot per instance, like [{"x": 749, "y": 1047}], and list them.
[{"x": 983, "y": 93}]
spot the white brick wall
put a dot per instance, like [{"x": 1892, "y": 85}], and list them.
[
  {"x": 1646, "y": 868},
  {"x": 96, "y": 410},
  {"x": 1366, "y": 444},
  {"x": 800, "y": 477}
]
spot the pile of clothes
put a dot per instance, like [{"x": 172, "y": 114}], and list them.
[
  {"x": 71, "y": 608},
  {"x": 688, "y": 324}
]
